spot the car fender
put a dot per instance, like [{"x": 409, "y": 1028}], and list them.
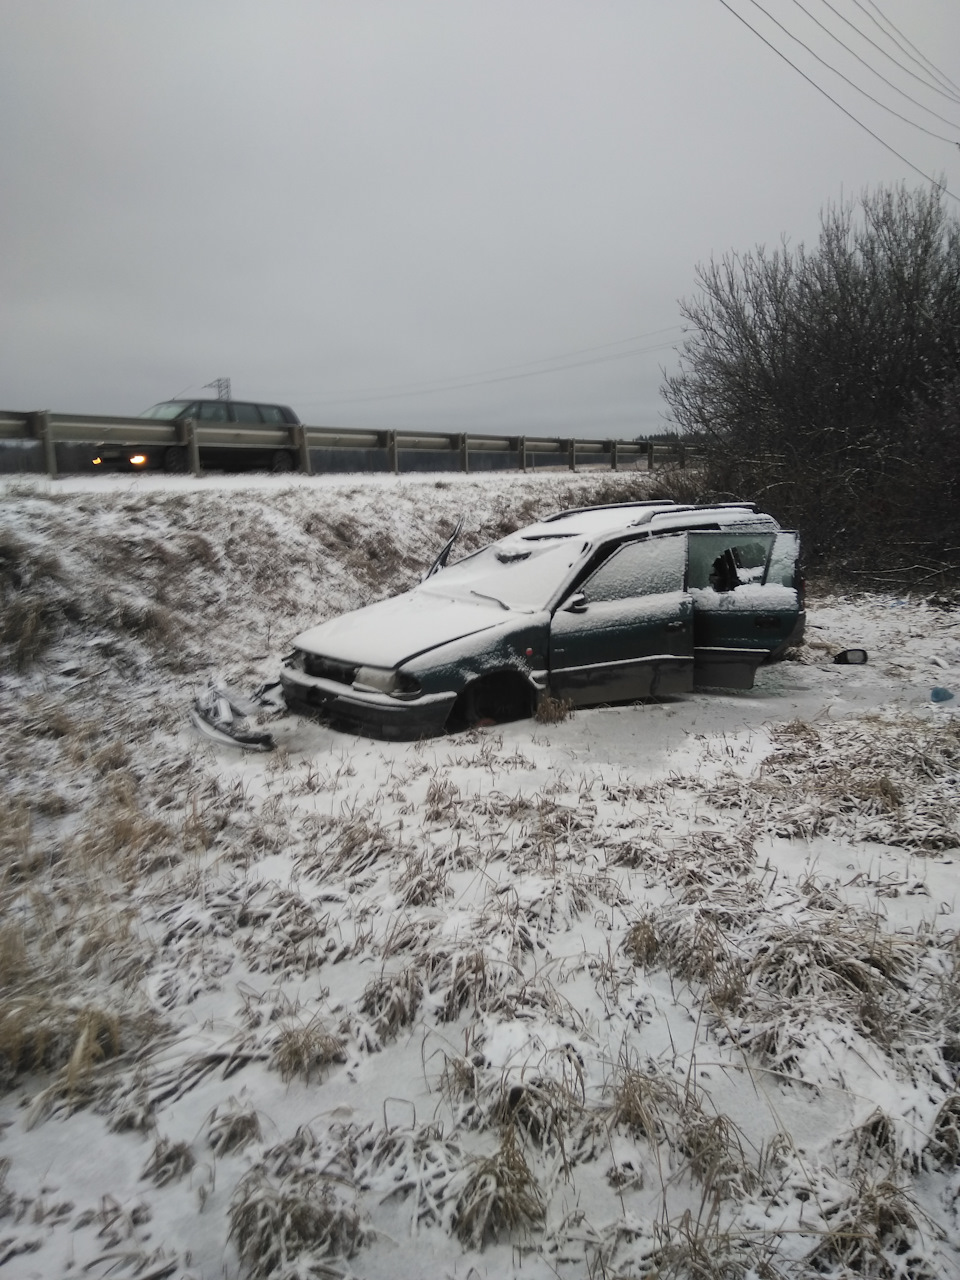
[{"x": 516, "y": 646}]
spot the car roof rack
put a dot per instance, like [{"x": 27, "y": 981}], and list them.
[{"x": 666, "y": 504}]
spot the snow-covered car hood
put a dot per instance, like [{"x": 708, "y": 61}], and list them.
[{"x": 388, "y": 633}]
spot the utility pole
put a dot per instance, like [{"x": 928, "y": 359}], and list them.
[{"x": 221, "y": 386}]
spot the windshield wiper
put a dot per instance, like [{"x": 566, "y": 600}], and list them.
[
  {"x": 496, "y": 599},
  {"x": 510, "y": 608}
]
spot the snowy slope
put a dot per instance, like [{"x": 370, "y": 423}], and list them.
[{"x": 667, "y": 989}]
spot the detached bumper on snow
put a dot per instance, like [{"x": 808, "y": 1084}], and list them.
[{"x": 365, "y": 710}]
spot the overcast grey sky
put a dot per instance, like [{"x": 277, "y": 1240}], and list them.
[{"x": 403, "y": 213}]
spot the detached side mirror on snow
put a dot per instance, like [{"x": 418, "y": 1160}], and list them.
[{"x": 851, "y": 657}]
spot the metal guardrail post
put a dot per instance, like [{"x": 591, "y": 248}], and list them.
[
  {"x": 393, "y": 453},
  {"x": 299, "y": 434},
  {"x": 522, "y": 452},
  {"x": 40, "y": 425},
  {"x": 464, "y": 453},
  {"x": 572, "y": 454},
  {"x": 614, "y": 460},
  {"x": 193, "y": 446},
  {"x": 682, "y": 449}
]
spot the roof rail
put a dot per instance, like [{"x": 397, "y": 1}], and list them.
[{"x": 667, "y": 504}]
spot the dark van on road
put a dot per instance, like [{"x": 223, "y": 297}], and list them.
[{"x": 242, "y": 416}]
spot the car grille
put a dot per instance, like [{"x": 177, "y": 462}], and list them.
[{"x": 315, "y": 664}]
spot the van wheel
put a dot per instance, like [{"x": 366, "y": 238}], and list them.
[
  {"x": 175, "y": 460},
  {"x": 282, "y": 461},
  {"x": 497, "y": 699}
]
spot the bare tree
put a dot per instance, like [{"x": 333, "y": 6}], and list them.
[{"x": 826, "y": 383}]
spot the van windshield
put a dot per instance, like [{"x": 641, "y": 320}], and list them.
[{"x": 169, "y": 409}]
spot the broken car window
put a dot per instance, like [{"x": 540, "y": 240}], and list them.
[{"x": 725, "y": 561}]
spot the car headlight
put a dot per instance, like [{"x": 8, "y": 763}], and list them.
[{"x": 383, "y": 680}]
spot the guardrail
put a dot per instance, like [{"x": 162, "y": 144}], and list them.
[{"x": 189, "y": 437}]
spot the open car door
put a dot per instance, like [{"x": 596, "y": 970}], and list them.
[
  {"x": 626, "y": 632},
  {"x": 746, "y": 601}
]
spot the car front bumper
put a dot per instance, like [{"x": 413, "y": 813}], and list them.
[{"x": 375, "y": 714}]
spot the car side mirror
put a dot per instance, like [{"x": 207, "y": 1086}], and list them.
[
  {"x": 576, "y": 604},
  {"x": 851, "y": 657}
]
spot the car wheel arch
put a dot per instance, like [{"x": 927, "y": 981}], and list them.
[{"x": 494, "y": 697}]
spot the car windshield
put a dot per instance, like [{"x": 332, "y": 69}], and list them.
[
  {"x": 169, "y": 409},
  {"x": 517, "y": 573}
]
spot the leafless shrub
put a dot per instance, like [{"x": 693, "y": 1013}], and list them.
[
  {"x": 500, "y": 1197},
  {"x": 279, "y": 1226}
]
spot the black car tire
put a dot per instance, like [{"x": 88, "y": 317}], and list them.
[
  {"x": 175, "y": 460},
  {"x": 282, "y": 461}
]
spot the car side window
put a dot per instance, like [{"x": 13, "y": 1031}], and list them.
[
  {"x": 212, "y": 411},
  {"x": 271, "y": 413},
  {"x": 725, "y": 561},
  {"x": 651, "y": 567},
  {"x": 246, "y": 412}
]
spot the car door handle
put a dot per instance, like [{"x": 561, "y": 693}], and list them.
[{"x": 678, "y": 625}]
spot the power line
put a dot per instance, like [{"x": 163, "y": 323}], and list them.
[
  {"x": 483, "y": 382},
  {"x": 863, "y": 62},
  {"x": 863, "y": 36},
  {"x": 485, "y": 377},
  {"x": 849, "y": 114},
  {"x": 921, "y": 60}
]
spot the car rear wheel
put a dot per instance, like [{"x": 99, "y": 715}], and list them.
[{"x": 496, "y": 699}]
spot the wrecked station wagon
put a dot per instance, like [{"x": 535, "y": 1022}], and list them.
[{"x": 593, "y": 606}]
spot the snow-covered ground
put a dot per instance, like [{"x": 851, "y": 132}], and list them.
[{"x": 666, "y": 989}]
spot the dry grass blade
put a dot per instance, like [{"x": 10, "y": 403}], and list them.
[
  {"x": 552, "y": 710},
  {"x": 282, "y": 1228},
  {"x": 303, "y": 1051},
  {"x": 500, "y": 1197},
  {"x": 232, "y": 1128},
  {"x": 169, "y": 1162}
]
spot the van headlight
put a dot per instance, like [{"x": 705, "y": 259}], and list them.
[{"x": 385, "y": 680}]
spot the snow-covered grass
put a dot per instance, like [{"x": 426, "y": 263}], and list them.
[{"x": 664, "y": 990}]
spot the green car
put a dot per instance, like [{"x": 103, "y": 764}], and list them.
[{"x": 594, "y": 606}]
